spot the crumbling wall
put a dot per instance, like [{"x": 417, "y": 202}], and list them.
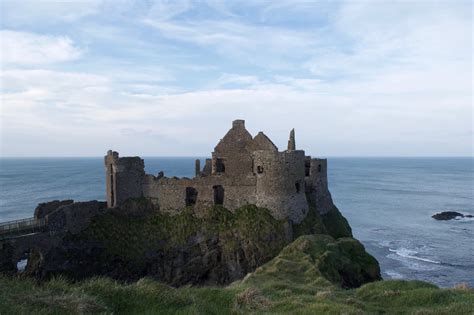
[
  {"x": 170, "y": 193},
  {"x": 207, "y": 170}
]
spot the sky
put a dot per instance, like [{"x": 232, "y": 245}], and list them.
[{"x": 166, "y": 78}]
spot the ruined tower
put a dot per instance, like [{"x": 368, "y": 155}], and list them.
[
  {"x": 281, "y": 181},
  {"x": 124, "y": 178}
]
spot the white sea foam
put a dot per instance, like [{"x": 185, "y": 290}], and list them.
[
  {"x": 394, "y": 275},
  {"x": 464, "y": 219},
  {"x": 384, "y": 243},
  {"x": 407, "y": 253}
]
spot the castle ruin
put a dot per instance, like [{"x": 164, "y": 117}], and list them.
[{"x": 242, "y": 170}]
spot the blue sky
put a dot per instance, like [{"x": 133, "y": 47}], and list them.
[{"x": 358, "y": 78}]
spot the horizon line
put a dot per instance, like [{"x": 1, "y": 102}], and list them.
[{"x": 207, "y": 156}]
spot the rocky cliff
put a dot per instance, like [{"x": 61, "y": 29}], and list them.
[{"x": 216, "y": 247}]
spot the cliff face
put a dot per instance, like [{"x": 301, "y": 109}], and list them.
[{"x": 215, "y": 247}]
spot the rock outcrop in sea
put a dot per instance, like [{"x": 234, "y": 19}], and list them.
[{"x": 449, "y": 215}]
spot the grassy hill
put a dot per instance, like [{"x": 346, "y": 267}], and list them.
[{"x": 307, "y": 277}]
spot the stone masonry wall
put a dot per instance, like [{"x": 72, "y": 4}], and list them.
[
  {"x": 170, "y": 193},
  {"x": 124, "y": 178},
  {"x": 280, "y": 183},
  {"x": 318, "y": 180}
]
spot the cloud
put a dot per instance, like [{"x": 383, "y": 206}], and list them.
[
  {"x": 28, "y": 12},
  {"x": 48, "y": 105},
  {"x": 165, "y": 10},
  {"x": 386, "y": 37},
  {"x": 233, "y": 80},
  {"x": 167, "y": 78},
  {"x": 21, "y": 48},
  {"x": 261, "y": 46}
]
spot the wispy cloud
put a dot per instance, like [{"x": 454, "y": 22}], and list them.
[
  {"x": 260, "y": 46},
  {"x": 21, "y": 48}
]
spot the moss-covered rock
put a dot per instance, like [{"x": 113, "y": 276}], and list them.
[
  {"x": 332, "y": 223},
  {"x": 336, "y": 224},
  {"x": 215, "y": 247},
  {"x": 320, "y": 259}
]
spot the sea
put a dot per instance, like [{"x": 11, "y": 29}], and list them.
[{"x": 388, "y": 202}]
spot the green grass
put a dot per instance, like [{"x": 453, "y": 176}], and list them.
[{"x": 294, "y": 282}]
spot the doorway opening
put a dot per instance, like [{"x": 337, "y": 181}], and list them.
[
  {"x": 218, "y": 195},
  {"x": 191, "y": 196}
]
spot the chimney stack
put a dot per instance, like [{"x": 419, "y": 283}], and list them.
[{"x": 238, "y": 123}]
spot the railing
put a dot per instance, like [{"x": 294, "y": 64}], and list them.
[{"x": 24, "y": 225}]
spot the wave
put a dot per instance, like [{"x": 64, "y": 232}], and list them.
[
  {"x": 394, "y": 275},
  {"x": 406, "y": 253},
  {"x": 463, "y": 219}
]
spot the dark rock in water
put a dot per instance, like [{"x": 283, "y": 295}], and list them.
[
  {"x": 448, "y": 215},
  {"x": 468, "y": 216}
]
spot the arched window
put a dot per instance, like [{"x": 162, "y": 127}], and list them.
[
  {"x": 259, "y": 169},
  {"x": 319, "y": 168},
  {"x": 298, "y": 188}
]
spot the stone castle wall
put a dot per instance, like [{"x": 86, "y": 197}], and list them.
[
  {"x": 281, "y": 184},
  {"x": 243, "y": 170},
  {"x": 318, "y": 184},
  {"x": 171, "y": 193}
]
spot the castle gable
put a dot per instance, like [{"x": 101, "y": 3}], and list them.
[
  {"x": 262, "y": 142},
  {"x": 236, "y": 139}
]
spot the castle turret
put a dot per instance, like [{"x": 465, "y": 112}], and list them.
[
  {"x": 281, "y": 183},
  {"x": 124, "y": 178}
]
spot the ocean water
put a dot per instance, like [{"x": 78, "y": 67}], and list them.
[{"x": 388, "y": 202}]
